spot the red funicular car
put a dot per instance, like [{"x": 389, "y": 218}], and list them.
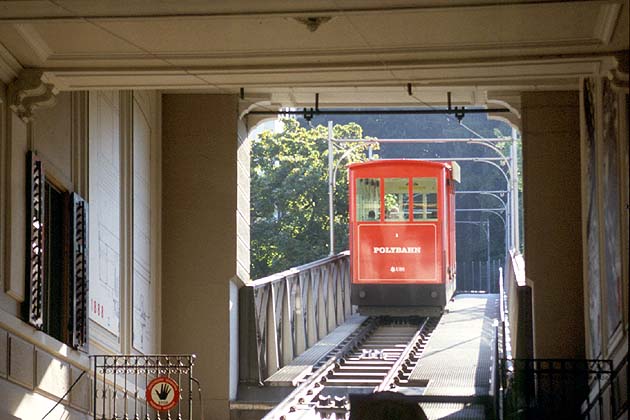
[{"x": 402, "y": 235}]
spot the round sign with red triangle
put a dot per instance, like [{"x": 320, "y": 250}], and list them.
[{"x": 162, "y": 393}]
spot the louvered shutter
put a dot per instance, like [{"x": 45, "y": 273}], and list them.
[
  {"x": 35, "y": 275},
  {"x": 79, "y": 271}
]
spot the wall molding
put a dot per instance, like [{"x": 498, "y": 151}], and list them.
[
  {"x": 607, "y": 21},
  {"x": 43, "y": 341},
  {"x": 34, "y": 40},
  {"x": 80, "y": 143},
  {"x": 126, "y": 220},
  {"x": 9, "y": 66},
  {"x": 510, "y": 73},
  {"x": 4, "y": 188}
]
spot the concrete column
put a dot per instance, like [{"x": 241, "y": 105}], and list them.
[
  {"x": 552, "y": 216},
  {"x": 199, "y": 241}
]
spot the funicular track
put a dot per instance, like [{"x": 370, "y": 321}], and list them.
[{"x": 379, "y": 356}]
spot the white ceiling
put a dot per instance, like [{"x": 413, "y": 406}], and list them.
[{"x": 366, "y": 53}]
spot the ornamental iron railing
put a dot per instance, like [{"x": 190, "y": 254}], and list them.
[
  {"x": 609, "y": 400},
  {"x": 284, "y": 314},
  {"x": 549, "y": 388},
  {"x": 142, "y": 387}
]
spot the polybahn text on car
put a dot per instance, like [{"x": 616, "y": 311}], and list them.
[{"x": 402, "y": 236}]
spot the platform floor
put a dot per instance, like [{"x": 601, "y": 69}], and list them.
[{"x": 457, "y": 361}]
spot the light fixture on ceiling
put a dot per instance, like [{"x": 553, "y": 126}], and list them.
[{"x": 313, "y": 22}]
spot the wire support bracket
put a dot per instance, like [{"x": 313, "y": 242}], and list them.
[{"x": 309, "y": 113}]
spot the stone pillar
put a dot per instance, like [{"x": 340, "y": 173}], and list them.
[
  {"x": 199, "y": 236},
  {"x": 552, "y": 216}
]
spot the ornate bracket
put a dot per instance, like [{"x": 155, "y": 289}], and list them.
[
  {"x": 619, "y": 75},
  {"x": 29, "y": 92},
  {"x": 250, "y": 102},
  {"x": 510, "y": 100}
]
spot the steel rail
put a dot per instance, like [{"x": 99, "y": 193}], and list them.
[
  {"x": 298, "y": 395},
  {"x": 347, "y": 368},
  {"x": 389, "y": 378}
]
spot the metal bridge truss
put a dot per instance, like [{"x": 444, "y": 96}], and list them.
[{"x": 284, "y": 314}]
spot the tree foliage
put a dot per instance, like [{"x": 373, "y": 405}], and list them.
[
  {"x": 289, "y": 195},
  {"x": 289, "y": 191}
]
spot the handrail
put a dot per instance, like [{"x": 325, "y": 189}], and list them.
[{"x": 295, "y": 270}]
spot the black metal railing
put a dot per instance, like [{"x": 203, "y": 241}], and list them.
[
  {"x": 478, "y": 276},
  {"x": 549, "y": 388},
  {"x": 121, "y": 382},
  {"x": 610, "y": 397},
  {"x": 556, "y": 388}
]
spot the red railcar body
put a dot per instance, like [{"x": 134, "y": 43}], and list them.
[{"x": 402, "y": 235}]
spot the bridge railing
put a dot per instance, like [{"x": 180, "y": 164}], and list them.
[{"x": 286, "y": 313}]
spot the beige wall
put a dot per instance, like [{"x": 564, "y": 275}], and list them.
[
  {"x": 610, "y": 343},
  {"x": 105, "y": 194},
  {"x": 15, "y": 161},
  {"x": 6, "y": 302},
  {"x": 35, "y": 367},
  {"x": 552, "y": 218},
  {"x": 123, "y": 127},
  {"x": 50, "y": 134},
  {"x": 199, "y": 245},
  {"x": 146, "y": 221}
]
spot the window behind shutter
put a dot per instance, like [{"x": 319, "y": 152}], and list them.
[
  {"x": 35, "y": 208},
  {"x": 79, "y": 271}
]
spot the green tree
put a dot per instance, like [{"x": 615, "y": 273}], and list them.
[{"x": 289, "y": 195}]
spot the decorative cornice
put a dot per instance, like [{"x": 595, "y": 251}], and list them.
[{"x": 29, "y": 92}]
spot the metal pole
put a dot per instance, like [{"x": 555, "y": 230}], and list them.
[
  {"x": 331, "y": 189},
  {"x": 190, "y": 392},
  {"x": 514, "y": 188},
  {"x": 488, "y": 256}
]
